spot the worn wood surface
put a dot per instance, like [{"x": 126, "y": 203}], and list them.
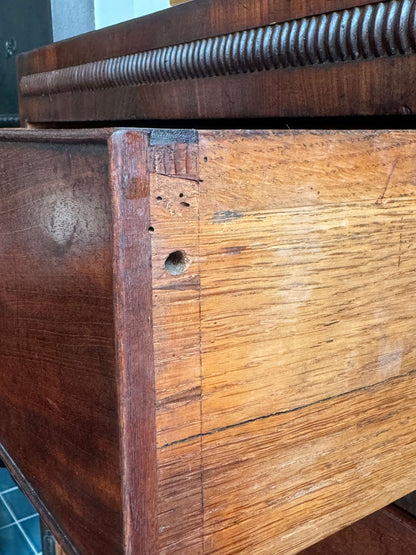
[
  {"x": 305, "y": 248},
  {"x": 390, "y": 531},
  {"x": 58, "y": 389},
  {"x": 241, "y": 375},
  {"x": 228, "y": 59}
]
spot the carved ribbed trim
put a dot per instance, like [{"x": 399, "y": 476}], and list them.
[{"x": 367, "y": 32}]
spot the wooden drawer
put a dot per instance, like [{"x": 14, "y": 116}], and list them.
[{"x": 207, "y": 337}]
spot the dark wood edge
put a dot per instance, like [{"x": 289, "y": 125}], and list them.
[
  {"x": 381, "y": 30},
  {"x": 132, "y": 270},
  {"x": 57, "y": 136},
  {"x": 187, "y": 22},
  {"x": 401, "y": 516},
  {"x": 44, "y": 514},
  {"x": 360, "y": 88}
]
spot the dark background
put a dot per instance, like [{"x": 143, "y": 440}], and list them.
[{"x": 24, "y": 25}]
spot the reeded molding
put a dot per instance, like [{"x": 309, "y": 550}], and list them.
[{"x": 373, "y": 31}]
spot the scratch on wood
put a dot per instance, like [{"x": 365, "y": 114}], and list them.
[
  {"x": 383, "y": 194},
  {"x": 370, "y": 387},
  {"x": 227, "y": 215},
  {"x": 177, "y": 176},
  {"x": 400, "y": 251}
]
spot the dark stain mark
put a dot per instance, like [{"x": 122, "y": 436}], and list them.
[
  {"x": 234, "y": 250},
  {"x": 169, "y": 136},
  {"x": 227, "y": 215},
  {"x": 181, "y": 398},
  {"x": 383, "y": 194},
  {"x": 63, "y": 248},
  {"x": 194, "y": 283}
]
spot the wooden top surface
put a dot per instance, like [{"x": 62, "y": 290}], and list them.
[
  {"x": 227, "y": 59},
  {"x": 191, "y": 21}
]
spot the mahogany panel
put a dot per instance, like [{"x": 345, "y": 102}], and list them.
[
  {"x": 216, "y": 59},
  {"x": 58, "y": 388},
  {"x": 77, "y": 400},
  {"x": 199, "y": 19}
]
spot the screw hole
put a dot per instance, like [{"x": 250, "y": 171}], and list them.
[
  {"x": 180, "y": 195},
  {"x": 205, "y": 158},
  {"x": 159, "y": 198},
  {"x": 151, "y": 229},
  {"x": 176, "y": 263}
]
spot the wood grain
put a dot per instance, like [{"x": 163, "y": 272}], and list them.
[
  {"x": 216, "y": 59},
  {"x": 297, "y": 268},
  {"x": 207, "y": 337},
  {"x": 311, "y": 472},
  {"x": 58, "y": 406},
  {"x": 133, "y": 322},
  {"x": 305, "y": 248}
]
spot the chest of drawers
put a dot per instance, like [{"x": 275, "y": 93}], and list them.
[{"x": 207, "y": 337}]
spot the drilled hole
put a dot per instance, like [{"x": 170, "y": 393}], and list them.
[
  {"x": 186, "y": 204},
  {"x": 176, "y": 263},
  {"x": 151, "y": 229},
  {"x": 180, "y": 195},
  {"x": 159, "y": 198}
]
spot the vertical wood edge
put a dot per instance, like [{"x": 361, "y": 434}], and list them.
[
  {"x": 132, "y": 273},
  {"x": 174, "y": 185}
]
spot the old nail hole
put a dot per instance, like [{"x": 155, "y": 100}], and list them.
[
  {"x": 186, "y": 204},
  {"x": 180, "y": 195},
  {"x": 159, "y": 198},
  {"x": 205, "y": 158},
  {"x": 151, "y": 229},
  {"x": 176, "y": 263}
]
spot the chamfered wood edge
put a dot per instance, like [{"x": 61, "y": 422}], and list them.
[
  {"x": 99, "y": 135},
  {"x": 186, "y": 22},
  {"x": 132, "y": 268},
  {"x": 36, "y": 501}
]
